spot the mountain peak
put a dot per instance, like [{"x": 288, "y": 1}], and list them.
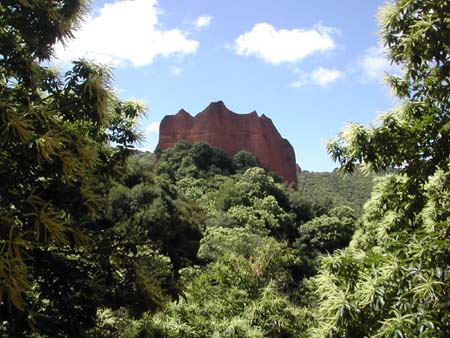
[
  {"x": 183, "y": 112},
  {"x": 220, "y": 127},
  {"x": 216, "y": 107}
]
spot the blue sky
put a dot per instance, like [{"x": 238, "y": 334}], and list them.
[{"x": 311, "y": 66}]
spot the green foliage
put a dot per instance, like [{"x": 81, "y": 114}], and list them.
[
  {"x": 236, "y": 297},
  {"x": 317, "y": 237},
  {"x": 391, "y": 278},
  {"x": 248, "y": 198},
  {"x": 218, "y": 241},
  {"x": 116, "y": 324},
  {"x": 252, "y": 253},
  {"x": 56, "y": 163},
  {"x": 328, "y": 232},
  {"x": 200, "y": 160},
  {"x": 244, "y": 160},
  {"x": 98, "y": 243},
  {"x": 154, "y": 211},
  {"x": 392, "y": 281},
  {"x": 251, "y": 199},
  {"x": 327, "y": 190},
  {"x": 415, "y": 136},
  {"x": 193, "y": 160},
  {"x": 139, "y": 169},
  {"x": 30, "y": 28}
]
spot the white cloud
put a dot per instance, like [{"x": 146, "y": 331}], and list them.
[
  {"x": 149, "y": 149},
  {"x": 324, "y": 76},
  {"x": 319, "y": 77},
  {"x": 203, "y": 21},
  {"x": 176, "y": 71},
  {"x": 303, "y": 78},
  {"x": 374, "y": 64},
  {"x": 278, "y": 46},
  {"x": 152, "y": 128},
  {"x": 151, "y": 133},
  {"x": 126, "y": 32},
  {"x": 297, "y": 84}
]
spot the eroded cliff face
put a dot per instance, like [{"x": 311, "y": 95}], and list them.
[{"x": 220, "y": 127}]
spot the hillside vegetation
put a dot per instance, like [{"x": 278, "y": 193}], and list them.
[{"x": 336, "y": 189}]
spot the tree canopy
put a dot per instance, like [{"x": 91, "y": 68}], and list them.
[
  {"x": 56, "y": 160},
  {"x": 393, "y": 279}
]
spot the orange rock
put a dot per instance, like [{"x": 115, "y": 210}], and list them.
[{"x": 220, "y": 127}]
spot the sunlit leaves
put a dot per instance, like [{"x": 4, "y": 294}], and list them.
[
  {"x": 233, "y": 297},
  {"x": 49, "y": 145},
  {"x": 13, "y": 271},
  {"x": 413, "y": 138},
  {"x": 17, "y": 126},
  {"x": 397, "y": 286},
  {"x": 53, "y": 131}
]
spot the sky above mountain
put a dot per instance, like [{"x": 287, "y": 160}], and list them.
[{"x": 311, "y": 66}]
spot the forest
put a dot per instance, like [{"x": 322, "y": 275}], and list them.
[
  {"x": 98, "y": 239},
  {"x": 328, "y": 189}
]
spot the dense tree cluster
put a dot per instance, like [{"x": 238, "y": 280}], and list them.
[
  {"x": 393, "y": 280},
  {"x": 98, "y": 240},
  {"x": 56, "y": 162},
  {"x": 332, "y": 189},
  {"x": 250, "y": 254}
]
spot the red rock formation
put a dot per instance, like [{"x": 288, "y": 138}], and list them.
[{"x": 220, "y": 127}]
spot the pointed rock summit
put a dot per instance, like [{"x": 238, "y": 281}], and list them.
[{"x": 220, "y": 127}]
